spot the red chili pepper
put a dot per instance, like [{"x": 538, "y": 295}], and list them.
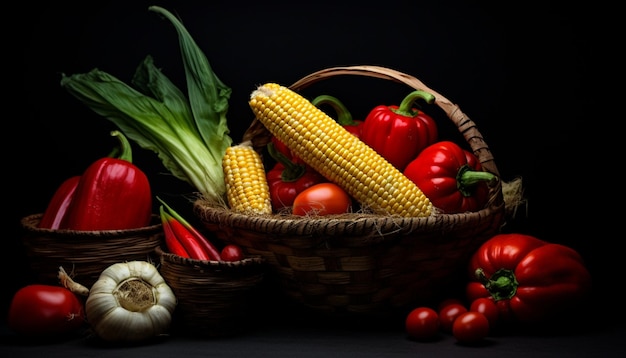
[
  {"x": 112, "y": 194},
  {"x": 212, "y": 253},
  {"x": 288, "y": 178},
  {"x": 57, "y": 206},
  {"x": 529, "y": 279},
  {"x": 171, "y": 241},
  {"x": 399, "y": 133},
  {"x": 451, "y": 177},
  {"x": 344, "y": 117},
  {"x": 186, "y": 238}
]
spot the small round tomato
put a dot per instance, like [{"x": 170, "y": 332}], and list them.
[
  {"x": 322, "y": 199},
  {"x": 448, "y": 313},
  {"x": 45, "y": 310},
  {"x": 448, "y": 301},
  {"x": 422, "y": 323},
  {"x": 232, "y": 252},
  {"x": 470, "y": 327},
  {"x": 487, "y": 307}
]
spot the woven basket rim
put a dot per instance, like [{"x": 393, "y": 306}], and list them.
[
  {"x": 29, "y": 223},
  {"x": 250, "y": 260},
  {"x": 372, "y": 227}
]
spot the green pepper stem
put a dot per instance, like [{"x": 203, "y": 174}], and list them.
[
  {"x": 467, "y": 178},
  {"x": 292, "y": 171},
  {"x": 502, "y": 285},
  {"x": 124, "y": 151},
  {"x": 344, "y": 117},
  {"x": 406, "y": 106}
]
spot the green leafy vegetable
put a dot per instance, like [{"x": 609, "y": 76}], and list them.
[{"x": 190, "y": 135}]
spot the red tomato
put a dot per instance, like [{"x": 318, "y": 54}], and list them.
[
  {"x": 322, "y": 199},
  {"x": 232, "y": 252},
  {"x": 43, "y": 310},
  {"x": 470, "y": 327},
  {"x": 448, "y": 301},
  {"x": 422, "y": 323},
  {"x": 448, "y": 313},
  {"x": 487, "y": 307}
]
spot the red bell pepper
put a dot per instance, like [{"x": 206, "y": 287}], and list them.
[
  {"x": 288, "y": 178},
  {"x": 529, "y": 279},
  {"x": 284, "y": 150},
  {"x": 112, "y": 194},
  {"x": 451, "y": 177},
  {"x": 399, "y": 133},
  {"x": 344, "y": 117},
  {"x": 57, "y": 206}
]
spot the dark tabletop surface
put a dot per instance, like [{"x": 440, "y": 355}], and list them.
[{"x": 297, "y": 332}]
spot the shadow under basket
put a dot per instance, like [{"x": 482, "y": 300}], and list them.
[
  {"x": 85, "y": 254},
  {"x": 214, "y": 297},
  {"x": 365, "y": 263}
]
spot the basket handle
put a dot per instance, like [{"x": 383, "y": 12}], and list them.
[{"x": 260, "y": 136}]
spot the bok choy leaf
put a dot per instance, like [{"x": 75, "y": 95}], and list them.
[{"x": 189, "y": 134}]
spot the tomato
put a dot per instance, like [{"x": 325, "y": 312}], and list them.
[
  {"x": 45, "y": 310},
  {"x": 470, "y": 327},
  {"x": 322, "y": 199},
  {"x": 487, "y": 307},
  {"x": 448, "y": 301},
  {"x": 448, "y": 313},
  {"x": 232, "y": 252},
  {"x": 422, "y": 323}
]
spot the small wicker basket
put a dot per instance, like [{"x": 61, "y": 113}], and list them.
[
  {"x": 364, "y": 263},
  {"x": 214, "y": 297},
  {"x": 85, "y": 254}
]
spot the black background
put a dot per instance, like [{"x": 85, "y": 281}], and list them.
[{"x": 532, "y": 75}]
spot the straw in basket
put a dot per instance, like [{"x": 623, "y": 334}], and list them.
[
  {"x": 85, "y": 254},
  {"x": 214, "y": 297},
  {"x": 365, "y": 263}
]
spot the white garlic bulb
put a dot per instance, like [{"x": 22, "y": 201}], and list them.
[{"x": 130, "y": 301}]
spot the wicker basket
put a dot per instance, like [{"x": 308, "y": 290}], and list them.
[
  {"x": 365, "y": 263},
  {"x": 85, "y": 254},
  {"x": 214, "y": 297}
]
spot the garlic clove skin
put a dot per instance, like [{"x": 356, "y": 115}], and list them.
[{"x": 130, "y": 301}]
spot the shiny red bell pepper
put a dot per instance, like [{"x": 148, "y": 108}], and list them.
[
  {"x": 530, "y": 279},
  {"x": 399, "y": 133},
  {"x": 288, "y": 178},
  {"x": 55, "y": 212},
  {"x": 284, "y": 150},
  {"x": 112, "y": 194},
  {"x": 451, "y": 177},
  {"x": 344, "y": 117}
]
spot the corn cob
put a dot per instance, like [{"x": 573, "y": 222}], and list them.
[
  {"x": 247, "y": 190},
  {"x": 336, "y": 154}
]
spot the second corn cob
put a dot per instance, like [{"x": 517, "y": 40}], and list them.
[
  {"x": 247, "y": 189},
  {"x": 336, "y": 154}
]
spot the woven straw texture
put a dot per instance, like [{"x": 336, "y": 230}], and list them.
[
  {"x": 214, "y": 297},
  {"x": 85, "y": 254},
  {"x": 364, "y": 263}
]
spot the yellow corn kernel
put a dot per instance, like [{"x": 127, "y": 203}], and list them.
[
  {"x": 247, "y": 189},
  {"x": 336, "y": 154}
]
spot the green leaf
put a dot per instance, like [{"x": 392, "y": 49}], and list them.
[
  {"x": 189, "y": 134},
  {"x": 208, "y": 96}
]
